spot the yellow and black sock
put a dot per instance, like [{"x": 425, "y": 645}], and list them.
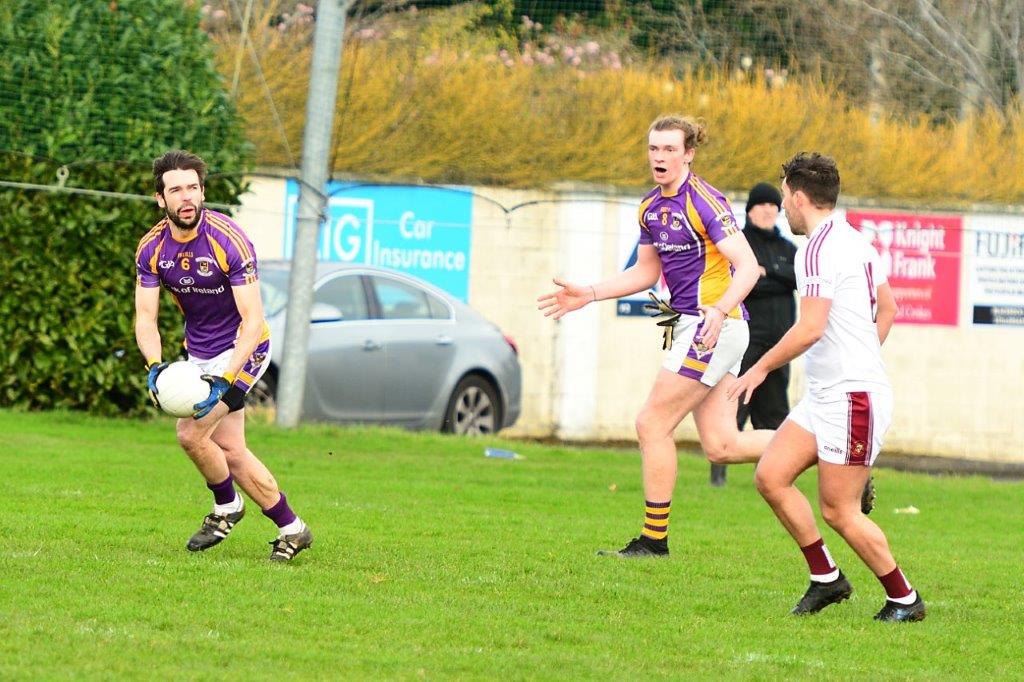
[{"x": 656, "y": 519}]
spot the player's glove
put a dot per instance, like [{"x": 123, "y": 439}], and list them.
[
  {"x": 154, "y": 371},
  {"x": 218, "y": 387}
]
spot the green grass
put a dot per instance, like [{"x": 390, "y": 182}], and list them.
[{"x": 433, "y": 561}]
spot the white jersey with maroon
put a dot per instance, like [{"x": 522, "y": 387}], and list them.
[{"x": 839, "y": 263}]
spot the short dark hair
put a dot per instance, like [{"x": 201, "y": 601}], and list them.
[
  {"x": 816, "y": 175},
  {"x": 177, "y": 159}
]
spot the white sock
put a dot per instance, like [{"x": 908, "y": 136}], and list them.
[
  {"x": 231, "y": 507},
  {"x": 909, "y": 599},
  {"x": 292, "y": 528},
  {"x": 826, "y": 578}
]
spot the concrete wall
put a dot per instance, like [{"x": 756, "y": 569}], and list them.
[{"x": 586, "y": 376}]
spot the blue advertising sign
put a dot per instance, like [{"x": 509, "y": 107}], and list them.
[{"x": 423, "y": 231}]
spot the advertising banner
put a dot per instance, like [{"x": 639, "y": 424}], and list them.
[
  {"x": 996, "y": 269},
  {"x": 921, "y": 257},
  {"x": 422, "y": 231}
]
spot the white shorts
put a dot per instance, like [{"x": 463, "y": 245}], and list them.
[
  {"x": 686, "y": 359},
  {"x": 251, "y": 371},
  {"x": 848, "y": 430}
]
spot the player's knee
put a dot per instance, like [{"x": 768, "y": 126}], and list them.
[
  {"x": 717, "y": 451},
  {"x": 234, "y": 456},
  {"x": 189, "y": 438},
  {"x": 837, "y": 517},
  {"x": 648, "y": 426},
  {"x": 768, "y": 485}
]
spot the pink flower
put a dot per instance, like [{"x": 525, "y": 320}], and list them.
[
  {"x": 220, "y": 14},
  {"x": 576, "y": 61},
  {"x": 303, "y": 8},
  {"x": 592, "y": 48}
]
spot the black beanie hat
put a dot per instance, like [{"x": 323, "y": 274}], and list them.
[{"x": 764, "y": 193}]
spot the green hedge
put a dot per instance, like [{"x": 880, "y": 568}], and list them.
[{"x": 82, "y": 81}]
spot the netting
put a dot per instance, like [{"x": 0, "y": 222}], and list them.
[
  {"x": 530, "y": 93},
  {"x": 918, "y": 102}
]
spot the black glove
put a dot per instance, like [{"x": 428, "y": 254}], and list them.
[
  {"x": 154, "y": 371},
  {"x": 668, "y": 317},
  {"x": 218, "y": 387}
]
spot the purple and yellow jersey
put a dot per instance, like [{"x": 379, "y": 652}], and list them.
[
  {"x": 684, "y": 227},
  {"x": 199, "y": 273}
]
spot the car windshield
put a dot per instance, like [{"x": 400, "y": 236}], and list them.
[{"x": 274, "y": 289}]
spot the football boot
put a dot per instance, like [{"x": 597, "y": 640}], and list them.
[
  {"x": 215, "y": 528},
  {"x": 820, "y": 595}
]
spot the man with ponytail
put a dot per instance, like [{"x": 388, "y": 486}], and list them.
[{"x": 689, "y": 236}]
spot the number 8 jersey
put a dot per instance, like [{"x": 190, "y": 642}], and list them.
[
  {"x": 199, "y": 274},
  {"x": 839, "y": 263}
]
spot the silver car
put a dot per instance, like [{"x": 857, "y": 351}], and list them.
[{"x": 389, "y": 348}]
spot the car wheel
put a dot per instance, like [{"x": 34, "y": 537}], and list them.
[
  {"x": 473, "y": 409},
  {"x": 261, "y": 400}
]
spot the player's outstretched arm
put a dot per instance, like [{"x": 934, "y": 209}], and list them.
[
  {"x": 569, "y": 297},
  {"x": 886, "y": 311}
]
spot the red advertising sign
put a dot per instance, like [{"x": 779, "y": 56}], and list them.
[{"x": 921, "y": 256}]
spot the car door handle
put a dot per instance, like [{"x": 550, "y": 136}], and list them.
[
  {"x": 444, "y": 340},
  {"x": 371, "y": 344}
]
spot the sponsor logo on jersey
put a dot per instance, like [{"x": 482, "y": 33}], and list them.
[
  {"x": 196, "y": 290},
  {"x": 664, "y": 236},
  {"x": 663, "y": 246},
  {"x": 166, "y": 264},
  {"x": 186, "y": 281}
]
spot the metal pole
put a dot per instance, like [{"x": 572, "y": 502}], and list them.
[{"x": 316, "y": 149}]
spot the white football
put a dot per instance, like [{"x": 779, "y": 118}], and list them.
[{"x": 179, "y": 387}]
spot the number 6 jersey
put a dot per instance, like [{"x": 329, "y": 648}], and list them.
[
  {"x": 839, "y": 263},
  {"x": 199, "y": 273}
]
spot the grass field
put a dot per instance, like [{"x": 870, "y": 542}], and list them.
[{"x": 433, "y": 561}]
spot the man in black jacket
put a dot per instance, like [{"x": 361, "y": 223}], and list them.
[{"x": 772, "y": 311}]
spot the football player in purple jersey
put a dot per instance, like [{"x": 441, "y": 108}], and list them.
[
  {"x": 208, "y": 265},
  {"x": 689, "y": 236}
]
